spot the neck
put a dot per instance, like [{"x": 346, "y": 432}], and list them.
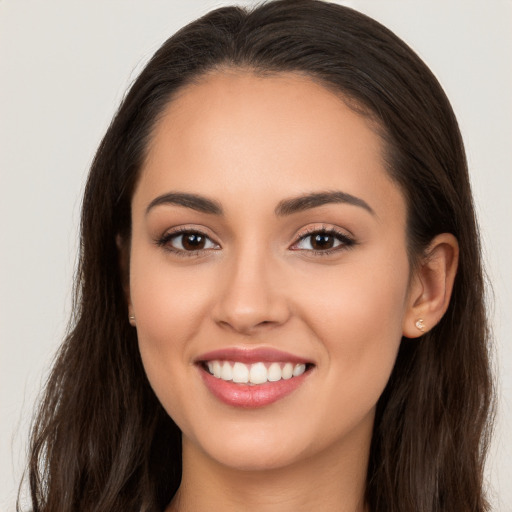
[{"x": 330, "y": 481}]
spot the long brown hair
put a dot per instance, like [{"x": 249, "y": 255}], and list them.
[{"x": 102, "y": 441}]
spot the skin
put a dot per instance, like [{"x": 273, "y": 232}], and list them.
[{"x": 248, "y": 143}]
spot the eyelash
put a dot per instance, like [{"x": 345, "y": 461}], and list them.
[
  {"x": 167, "y": 237},
  {"x": 346, "y": 241}
]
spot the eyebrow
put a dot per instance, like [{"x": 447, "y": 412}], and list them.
[
  {"x": 315, "y": 199},
  {"x": 193, "y": 201},
  {"x": 284, "y": 208}
]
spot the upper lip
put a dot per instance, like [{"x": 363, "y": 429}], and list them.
[{"x": 251, "y": 355}]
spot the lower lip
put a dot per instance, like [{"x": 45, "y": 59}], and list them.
[{"x": 243, "y": 395}]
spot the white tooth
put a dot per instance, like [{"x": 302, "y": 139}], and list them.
[
  {"x": 299, "y": 369},
  {"x": 240, "y": 373},
  {"x": 287, "y": 371},
  {"x": 217, "y": 369},
  {"x": 274, "y": 372},
  {"x": 226, "y": 372},
  {"x": 210, "y": 366},
  {"x": 258, "y": 374}
]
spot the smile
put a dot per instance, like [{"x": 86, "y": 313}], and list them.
[
  {"x": 254, "y": 374},
  {"x": 252, "y": 378}
]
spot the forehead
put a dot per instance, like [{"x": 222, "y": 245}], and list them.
[{"x": 234, "y": 134}]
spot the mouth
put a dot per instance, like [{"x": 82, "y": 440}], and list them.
[
  {"x": 254, "y": 374},
  {"x": 251, "y": 378}
]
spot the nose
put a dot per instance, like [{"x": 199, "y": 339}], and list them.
[{"x": 252, "y": 295}]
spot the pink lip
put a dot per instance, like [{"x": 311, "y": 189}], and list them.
[
  {"x": 250, "y": 355},
  {"x": 244, "y": 395}
]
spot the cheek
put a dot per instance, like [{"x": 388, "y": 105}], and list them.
[
  {"x": 358, "y": 320},
  {"x": 168, "y": 301},
  {"x": 169, "y": 305}
]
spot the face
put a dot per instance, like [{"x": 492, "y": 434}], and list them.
[{"x": 268, "y": 244}]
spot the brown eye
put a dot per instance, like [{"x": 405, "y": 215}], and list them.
[
  {"x": 183, "y": 242},
  {"x": 322, "y": 241},
  {"x": 193, "y": 241}
]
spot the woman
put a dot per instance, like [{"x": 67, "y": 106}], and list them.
[{"x": 280, "y": 295}]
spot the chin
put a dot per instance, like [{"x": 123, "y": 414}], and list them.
[
  {"x": 253, "y": 451},
  {"x": 254, "y": 460}
]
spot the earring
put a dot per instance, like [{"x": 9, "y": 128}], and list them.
[
  {"x": 132, "y": 319},
  {"x": 420, "y": 324}
]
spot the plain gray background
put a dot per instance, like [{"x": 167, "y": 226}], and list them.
[{"x": 64, "y": 66}]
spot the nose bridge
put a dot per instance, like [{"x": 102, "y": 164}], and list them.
[{"x": 251, "y": 293}]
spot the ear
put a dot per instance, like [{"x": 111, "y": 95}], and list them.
[
  {"x": 123, "y": 251},
  {"x": 431, "y": 286}
]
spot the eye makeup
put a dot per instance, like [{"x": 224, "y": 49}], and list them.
[
  {"x": 318, "y": 241},
  {"x": 332, "y": 240},
  {"x": 193, "y": 242}
]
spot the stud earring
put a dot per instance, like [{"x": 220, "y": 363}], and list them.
[
  {"x": 420, "y": 324},
  {"x": 132, "y": 319}
]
